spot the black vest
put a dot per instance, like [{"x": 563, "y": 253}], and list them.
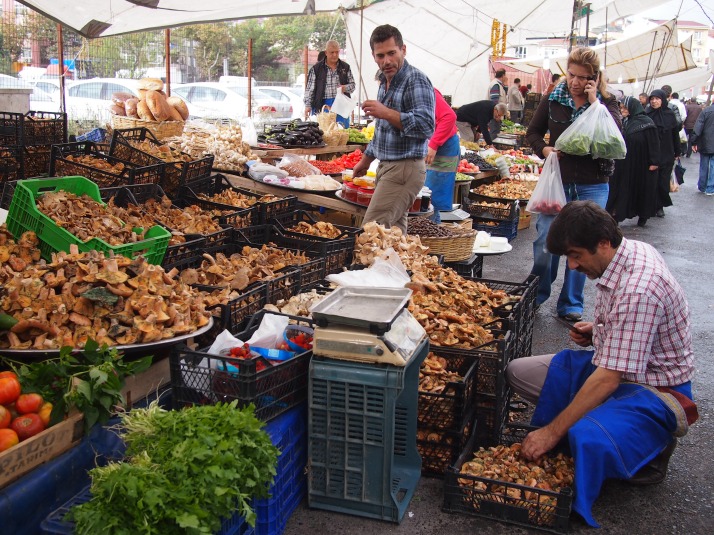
[{"x": 343, "y": 70}]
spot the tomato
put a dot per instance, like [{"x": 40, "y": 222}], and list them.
[
  {"x": 5, "y": 417},
  {"x": 45, "y": 413},
  {"x": 27, "y": 425},
  {"x": 8, "y": 439},
  {"x": 29, "y": 403},
  {"x": 9, "y": 390},
  {"x": 8, "y": 373}
]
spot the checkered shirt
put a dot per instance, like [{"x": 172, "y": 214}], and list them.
[{"x": 641, "y": 323}]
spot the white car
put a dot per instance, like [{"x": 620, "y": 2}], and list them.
[
  {"x": 218, "y": 101},
  {"x": 89, "y": 100},
  {"x": 286, "y": 94}
]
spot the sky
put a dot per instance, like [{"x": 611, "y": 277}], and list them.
[{"x": 689, "y": 11}]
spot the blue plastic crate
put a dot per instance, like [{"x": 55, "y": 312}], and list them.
[{"x": 362, "y": 436}]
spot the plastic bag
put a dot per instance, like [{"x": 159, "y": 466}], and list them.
[
  {"x": 343, "y": 105},
  {"x": 250, "y": 135},
  {"x": 297, "y": 166},
  {"x": 259, "y": 170},
  {"x": 594, "y": 132},
  {"x": 548, "y": 197}
]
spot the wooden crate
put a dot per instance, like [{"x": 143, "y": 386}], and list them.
[{"x": 148, "y": 382}]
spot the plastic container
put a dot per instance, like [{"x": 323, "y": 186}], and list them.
[
  {"x": 23, "y": 215},
  {"x": 294, "y": 330},
  {"x": 425, "y": 199},
  {"x": 347, "y": 175},
  {"x": 362, "y": 437},
  {"x": 364, "y": 196},
  {"x": 350, "y": 191},
  {"x": 364, "y": 181},
  {"x": 416, "y": 206}
]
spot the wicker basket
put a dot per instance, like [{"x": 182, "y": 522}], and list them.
[
  {"x": 454, "y": 248},
  {"x": 161, "y": 130}
]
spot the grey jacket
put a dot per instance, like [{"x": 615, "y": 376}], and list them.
[{"x": 703, "y": 134}]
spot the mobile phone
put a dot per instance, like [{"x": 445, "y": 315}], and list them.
[{"x": 567, "y": 324}]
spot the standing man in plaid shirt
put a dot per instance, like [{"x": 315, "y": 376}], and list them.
[
  {"x": 621, "y": 406},
  {"x": 326, "y": 78},
  {"x": 404, "y": 113}
]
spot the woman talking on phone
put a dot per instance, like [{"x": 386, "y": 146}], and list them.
[{"x": 584, "y": 178}]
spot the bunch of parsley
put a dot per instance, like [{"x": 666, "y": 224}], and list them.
[{"x": 185, "y": 471}]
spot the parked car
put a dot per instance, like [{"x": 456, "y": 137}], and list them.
[
  {"x": 217, "y": 101},
  {"x": 40, "y": 100},
  {"x": 89, "y": 100},
  {"x": 284, "y": 94}
]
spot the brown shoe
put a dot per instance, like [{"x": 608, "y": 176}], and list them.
[{"x": 656, "y": 470}]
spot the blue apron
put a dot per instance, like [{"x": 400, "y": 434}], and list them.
[
  {"x": 344, "y": 121},
  {"x": 613, "y": 440},
  {"x": 441, "y": 176}
]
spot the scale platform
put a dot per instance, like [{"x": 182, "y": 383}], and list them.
[{"x": 396, "y": 347}]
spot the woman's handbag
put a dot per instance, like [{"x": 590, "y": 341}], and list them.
[{"x": 679, "y": 171}]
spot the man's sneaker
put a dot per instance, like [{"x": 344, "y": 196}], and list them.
[
  {"x": 656, "y": 470},
  {"x": 572, "y": 316}
]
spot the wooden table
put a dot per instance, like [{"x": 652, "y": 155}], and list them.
[{"x": 305, "y": 151}]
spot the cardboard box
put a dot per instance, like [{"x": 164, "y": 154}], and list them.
[
  {"x": 45, "y": 446},
  {"x": 147, "y": 382}
]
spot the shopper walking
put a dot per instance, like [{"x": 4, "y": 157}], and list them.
[
  {"x": 327, "y": 78},
  {"x": 515, "y": 101},
  {"x": 442, "y": 158},
  {"x": 669, "y": 146},
  {"x": 497, "y": 90},
  {"x": 693, "y": 110},
  {"x": 583, "y": 177},
  {"x": 633, "y": 187},
  {"x": 703, "y": 143},
  {"x": 404, "y": 123}
]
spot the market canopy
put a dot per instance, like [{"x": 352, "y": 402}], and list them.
[
  {"x": 450, "y": 40},
  {"x": 102, "y": 18},
  {"x": 644, "y": 57}
]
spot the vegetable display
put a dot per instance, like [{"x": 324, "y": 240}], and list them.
[
  {"x": 293, "y": 133},
  {"x": 185, "y": 470}
]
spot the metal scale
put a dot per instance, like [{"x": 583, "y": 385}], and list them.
[{"x": 367, "y": 325}]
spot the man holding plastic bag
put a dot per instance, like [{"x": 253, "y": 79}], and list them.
[
  {"x": 327, "y": 79},
  {"x": 585, "y": 162}
]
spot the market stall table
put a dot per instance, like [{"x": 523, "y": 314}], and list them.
[{"x": 321, "y": 152}]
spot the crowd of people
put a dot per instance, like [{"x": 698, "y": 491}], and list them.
[{"x": 619, "y": 404}]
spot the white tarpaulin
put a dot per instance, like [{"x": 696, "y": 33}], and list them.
[
  {"x": 450, "y": 40},
  {"x": 645, "y": 57},
  {"x": 687, "y": 84},
  {"x": 101, "y": 18}
]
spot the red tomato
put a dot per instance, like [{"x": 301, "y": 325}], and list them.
[
  {"x": 5, "y": 417},
  {"x": 8, "y": 439},
  {"x": 8, "y": 373},
  {"x": 45, "y": 412},
  {"x": 27, "y": 425},
  {"x": 9, "y": 390},
  {"x": 28, "y": 403}
]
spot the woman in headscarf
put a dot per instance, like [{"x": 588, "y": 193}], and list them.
[
  {"x": 669, "y": 146},
  {"x": 633, "y": 188}
]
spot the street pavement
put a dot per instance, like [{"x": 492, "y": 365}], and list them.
[{"x": 684, "y": 502}]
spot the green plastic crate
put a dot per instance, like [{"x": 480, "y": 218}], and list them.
[{"x": 23, "y": 215}]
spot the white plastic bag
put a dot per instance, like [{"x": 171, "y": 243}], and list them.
[
  {"x": 250, "y": 135},
  {"x": 594, "y": 132},
  {"x": 548, "y": 197},
  {"x": 259, "y": 170},
  {"x": 297, "y": 166},
  {"x": 343, "y": 105}
]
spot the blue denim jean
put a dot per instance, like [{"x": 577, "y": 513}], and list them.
[
  {"x": 706, "y": 173},
  {"x": 545, "y": 265}
]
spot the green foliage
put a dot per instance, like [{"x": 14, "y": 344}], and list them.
[
  {"x": 90, "y": 382},
  {"x": 185, "y": 470}
]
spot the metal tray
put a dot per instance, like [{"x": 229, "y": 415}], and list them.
[
  {"x": 127, "y": 349},
  {"x": 369, "y": 308}
]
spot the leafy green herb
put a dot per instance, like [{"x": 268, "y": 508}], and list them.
[
  {"x": 575, "y": 144},
  {"x": 91, "y": 381},
  {"x": 185, "y": 470}
]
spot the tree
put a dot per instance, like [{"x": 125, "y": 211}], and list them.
[{"x": 210, "y": 44}]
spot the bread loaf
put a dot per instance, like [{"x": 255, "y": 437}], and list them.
[
  {"x": 116, "y": 109},
  {"x": 142, "y": 109},
  {"x": 155, "y": 84},
  {"x": 179, "y": 105},
  {"x": 142, "y": 94},
  {"x": 120, "y": 97},
  {"x": 158, "y": 106},
  {"x": 130, "y": 108},
  {"x": 174, "y": 114}
]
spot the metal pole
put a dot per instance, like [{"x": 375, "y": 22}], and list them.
[
  {"x": 604, "y": 63},
  {"x": 250, "y": 76},
  {"x": 167, "y": 53},
  {"x": 361, "y": 33},
  {"x": 60, "y": 53},
  {"x": 709, "y": 95},
  {"x": 587, "y": 25},
  {"x": 573, "y": 39},
  {"x": 304, "y": 66}
]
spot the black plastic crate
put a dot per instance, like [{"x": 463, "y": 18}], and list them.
[
  {"x": 505, "y": 229},
  {"x": 265, "y": 210},
  {"x": 225, "y": 214},
  {"x": 198, "y": 377},
  {"x": 10, "y": 168},
  {"x": 439, "y": 449},
  {"x": 11, "y": 127},
  {"x": 36, "y": 160},
  {"x": 337, "y": 252},
  {"x": 177, "y": 173},
  {"x": 62, "y": 165},
  {"x": 44, "y": 128},
  {"x": 236, "y": 313},
  {"x": 472, "y": 268},
  {"x": 530, "y": 507},
  {"x": 506, "y": 210}
]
